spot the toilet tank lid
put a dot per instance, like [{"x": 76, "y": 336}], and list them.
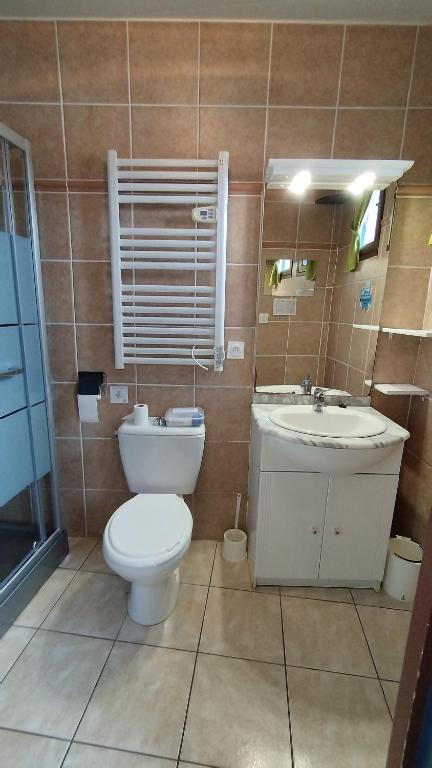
[{"x": 128, "y": 427}]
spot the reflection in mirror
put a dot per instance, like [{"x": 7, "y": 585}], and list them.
[{"x": 319, "y": 300}]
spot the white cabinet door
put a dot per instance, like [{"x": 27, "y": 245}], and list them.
[
  {"x": 357, "y": 526},
  {"x": 292, "y": 509}
]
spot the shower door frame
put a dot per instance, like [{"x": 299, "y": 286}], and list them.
[{"x": 38, "y": 566}]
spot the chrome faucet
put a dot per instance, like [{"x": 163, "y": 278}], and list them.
[
  {"x": 306, "y": 385},
  {"x": 319, "y": 399}
]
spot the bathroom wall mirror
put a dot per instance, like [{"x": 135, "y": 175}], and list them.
[{"x": 319, "y": 312}]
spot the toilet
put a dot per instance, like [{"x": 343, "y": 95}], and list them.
[{"x": 146, "y": 538}]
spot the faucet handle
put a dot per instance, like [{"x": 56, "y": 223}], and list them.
[{"x": 306, "y": 384}]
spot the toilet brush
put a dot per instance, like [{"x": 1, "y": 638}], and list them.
[{"x": 234, "y": 546}]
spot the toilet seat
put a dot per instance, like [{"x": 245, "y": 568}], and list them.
[{"x": 149, "y": 529}]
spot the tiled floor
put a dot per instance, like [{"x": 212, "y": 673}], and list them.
[{"x": 235, "y": 678}]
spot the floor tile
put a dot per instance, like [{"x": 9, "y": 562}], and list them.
[
  {"x": 337, "y": 720},
  {"x": 386, "y": 631},
  {"x": 140, "y": 701},
  {"x": 49, "y": 686},
  {"x": 95, "y": 562},
  {"x": 243, "y": 624},
  {"x": 244, "y": 722},
  {"x": 84, "y": 756},
  {"x": 182, "y": 628},
  {"x": 23, "y": 750},
  {"x": 11, "y": 644},
  {"x": 324, "y": 635},
  {"x": 38, "y": 608},
  {"x": 93, "y": 604},
  {"x": 79, "y": 548},
  {"x": 336, "y": 594},
  {"x": 195, "y": 568},
  {"x": 232, "y": 575},
  {"x": 391, "y": 691},
  {"x": 378, "y": 599}
]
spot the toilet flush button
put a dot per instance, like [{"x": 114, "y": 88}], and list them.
[
  {"x": 119, "y": 394},
  {"x": 235, "y": 350}
]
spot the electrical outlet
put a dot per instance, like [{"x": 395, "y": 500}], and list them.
[
  {"x": 119, "y": 394},
  {"x": 235, "y": 350}
]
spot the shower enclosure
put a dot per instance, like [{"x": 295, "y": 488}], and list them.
[{"x": 32, "y": 541}]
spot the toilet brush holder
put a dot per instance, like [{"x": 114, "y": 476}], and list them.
[{"x": 234, "y": 545}]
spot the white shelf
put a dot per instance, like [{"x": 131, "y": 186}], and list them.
[
  {"x": 400, "y": 389},
  {"x": 366, "y": 327},
  {"x": 420, "y": 332}
]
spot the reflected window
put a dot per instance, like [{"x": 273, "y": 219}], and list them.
[{"x": 370, "y": 227}]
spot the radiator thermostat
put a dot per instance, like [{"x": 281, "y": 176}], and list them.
[{"x": 207, "y": 214}]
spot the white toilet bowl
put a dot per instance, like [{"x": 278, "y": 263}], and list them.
[{"x": 144, "y": 542}]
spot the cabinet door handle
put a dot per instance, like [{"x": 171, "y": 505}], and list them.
[
  {"x": 337, "y": 531},
  {"x": 315, "y": 530}
]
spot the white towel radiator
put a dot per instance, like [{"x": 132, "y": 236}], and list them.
[{"x": 154, "y": 322}]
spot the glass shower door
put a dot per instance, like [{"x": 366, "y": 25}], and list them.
[{"x": 27, "y": 491}]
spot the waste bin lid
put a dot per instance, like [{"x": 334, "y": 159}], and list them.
[{"x": 406, "y": 549}]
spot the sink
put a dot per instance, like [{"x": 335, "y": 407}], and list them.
[{"x": 331, "y": 422}]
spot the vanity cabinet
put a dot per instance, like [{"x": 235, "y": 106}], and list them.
[{"x": 323, "y": 529}]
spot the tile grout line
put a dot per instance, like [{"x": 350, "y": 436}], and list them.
[
  {"x": 407, "y": 107},
  {"x": 196, "y": 660},
  {"x": 373, "y": 660},
  {"x": 286, "y": 684},
  {"x": 336, "y": 108}
]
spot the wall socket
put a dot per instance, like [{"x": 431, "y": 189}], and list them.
[
  {"x": 119, "y": 393},
  {"x": 235, "y": 350}
]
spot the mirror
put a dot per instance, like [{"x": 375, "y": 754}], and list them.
[{"x": 316, "y": 317}]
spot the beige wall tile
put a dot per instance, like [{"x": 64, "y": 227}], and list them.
[
  {"x": 68, "y": 457},
  {"x": 214, "y": 513},
  {"x": 66, "y": 419},
  {"x": 110, "y": 415},
  {"x": 300, "y": 132},
  {"x": 417, "y": 146},
  {"x": 102, "y": 465},
  {"x": 238, "y": 130},
  {"x": 420, "y": 429},
  {"x": 163, "y": 62},
  {"x": 52, "y": 213},
  {"x": 57, "y": 286},
  {"x": 343, "y": 342},
  {"x": 269, "y": 370},
  {"x": 272, "y": 338},
  {"x": 299, "y": 366},
  {"x": 316, "y": 223},
  {"x": 410, "y": 233},
  {"x": 72, "y": 512},
  {"x": 355, "y": 382},
  {"x": 244, "y": 224},
  {"x": 229, "y": 463},
  {"x": 241, "y": 288},
  {"x": 304, "y": 338},
  {"x": 340, "y": 376},
  {"x": 332, "y": 339},
  {"x": 96, "y": 353},
  {"x": 41, "y": 125},
  {"x": 402, "y": 283},
  {"x": 359, "y": 349},
  {"x": 421, "y": 89},
  {"x": 227, "y": 412},
  {"x": 395, "y": 408},
  {"x": 414, "y": 499},
  {"x": 100, "y": 506},
  {"x": 297, "y": 73},
  {"x": 423, "y": 374},
  {"x": 395, "y": 359},
  {"x": 93, "y": 292},
  {"x": 165, "y": 374},
  {"x": 376, "y": 66},
  {"x": 348, "y": 300},
  {"x": 234, "y": 60},
  {"x": 311, "y": 307},
  {"x": 160, "y": 398},
  {"x": 164, "y": 131},
  {"x": 281, "y": 221},
  {"x": 90, "y": 132},
  {"x": 368, "y": 133},
  {"x": 62, "y": 352},
  {"x": 89, "y": 226},
  {"x": 28, "y": 49},
  {"x": 93, "y": 61}
]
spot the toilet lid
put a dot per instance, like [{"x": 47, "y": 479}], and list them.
[{"x": 150, "y": 526}]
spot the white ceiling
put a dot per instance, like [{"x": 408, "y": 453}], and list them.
[{"x": 363, "y": 11}]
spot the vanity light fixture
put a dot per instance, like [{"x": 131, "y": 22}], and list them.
[
  {"x": 300, "y": 182},
  {"x": 362, "y": 182},
  {"x": 328, "y": 174}
]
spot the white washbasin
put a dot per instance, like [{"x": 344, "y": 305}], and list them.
[{"x": 331, "y": 422}]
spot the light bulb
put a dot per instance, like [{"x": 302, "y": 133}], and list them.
[
  {"x": 362, "y": 182},
  {"x": 300, "y": 182}
]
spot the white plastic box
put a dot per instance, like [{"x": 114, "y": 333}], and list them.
[{"x": 184, "y": 417}]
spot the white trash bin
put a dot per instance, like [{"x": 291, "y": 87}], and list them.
[{"x": 402, "y": 569}]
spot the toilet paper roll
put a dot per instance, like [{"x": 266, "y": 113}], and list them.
[
  {"x": 141, "y": 414},
  {"x": 87, "y": 407}
]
